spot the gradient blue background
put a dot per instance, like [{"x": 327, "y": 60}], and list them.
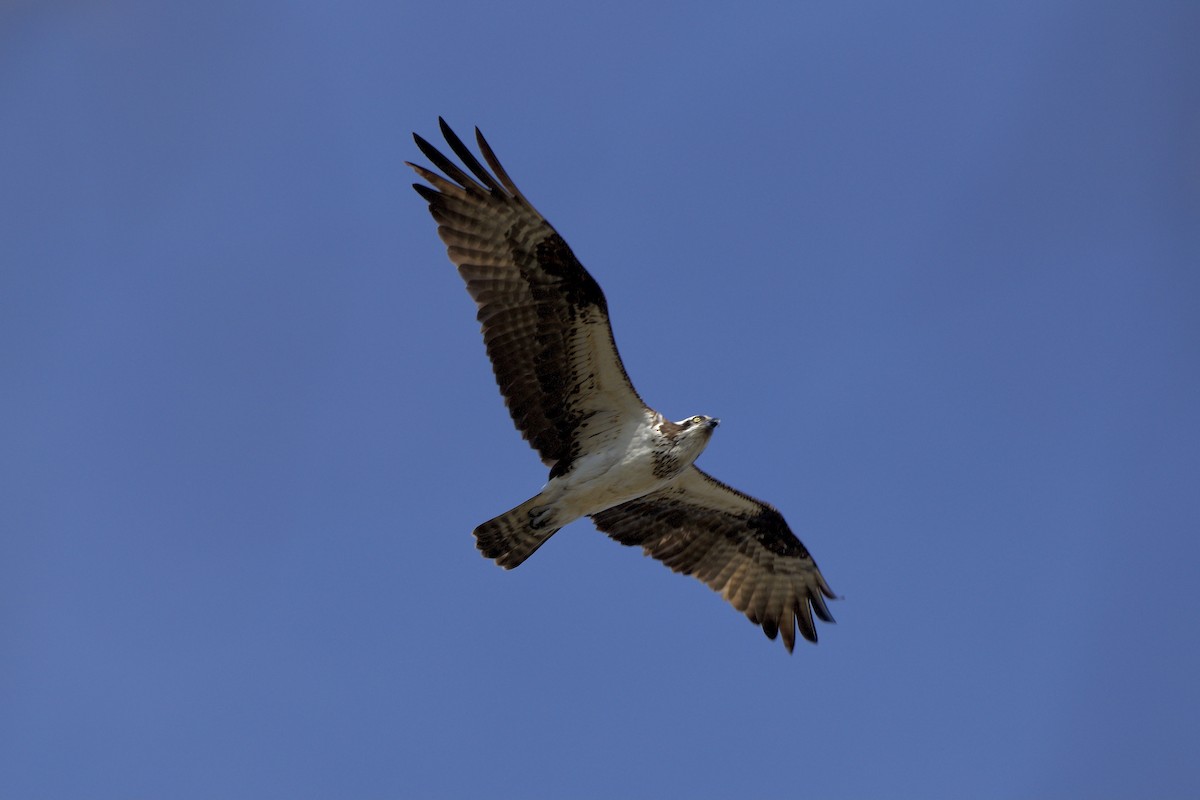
[{"x": 937, "y": 269}]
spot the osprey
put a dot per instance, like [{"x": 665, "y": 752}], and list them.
[{"x": 611, "y": 457}]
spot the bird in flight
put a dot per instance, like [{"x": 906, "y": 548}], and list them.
[{"x": 611, "y": 457}]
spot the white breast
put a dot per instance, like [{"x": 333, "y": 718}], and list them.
[{"x": 619, "y": 468}]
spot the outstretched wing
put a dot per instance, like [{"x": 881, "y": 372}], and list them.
[
  {"x": 739, "y": 546},
  {"x": 544, "y": 318}
]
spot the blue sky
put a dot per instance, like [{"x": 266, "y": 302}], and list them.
[{"x": 935, "y": 268}]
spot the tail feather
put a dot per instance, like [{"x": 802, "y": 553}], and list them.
[{"x": 511, "y": 537}]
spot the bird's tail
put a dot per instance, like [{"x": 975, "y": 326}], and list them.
[{"x": 513, "y": 536}]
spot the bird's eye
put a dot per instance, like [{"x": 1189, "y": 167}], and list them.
[{"x": 696, "y": 420}]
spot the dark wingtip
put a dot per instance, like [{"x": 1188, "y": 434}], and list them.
[
  {"x": 822, "y": 610},
  {"x": 425, "y": 147},
  {"x": 431, "y": 195},
  {"x": 490, "y": 157}
]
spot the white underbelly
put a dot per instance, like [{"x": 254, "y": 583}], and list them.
[{"x": 602, "y": 480}]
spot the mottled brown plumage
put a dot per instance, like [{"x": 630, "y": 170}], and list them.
[
  {"x": 539, "y": 309},
  {"x": 545, "y": 324},
  {"x": 739, "y": 546}
]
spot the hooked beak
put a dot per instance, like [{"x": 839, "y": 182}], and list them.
[{"x": 714, "y": 422}]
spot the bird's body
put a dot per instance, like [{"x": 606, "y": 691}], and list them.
[
  {"x": 631, "y": 458},
  {"x": 637, "y": 458},
  {"x": 611, "y": 457}
]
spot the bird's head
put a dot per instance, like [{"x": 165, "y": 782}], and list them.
[
  {"x": 690, "y": 437},
  {"x": 698, "y": 426}
]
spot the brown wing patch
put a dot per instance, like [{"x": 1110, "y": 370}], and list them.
[
  {"x": 742, "y": 548},
  {"x": 544, "y": 318}
]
